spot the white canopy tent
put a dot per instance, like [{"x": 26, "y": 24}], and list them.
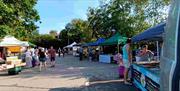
[
  {"x": 71, "y": 45},
  {"x": 10, "y": 41},
  {"x": 71, "y": 48}
]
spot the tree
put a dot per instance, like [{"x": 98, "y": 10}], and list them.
[
  {"x": 126, "y": 16},
  {"x": 46, "y": 40},
  {"x": 77, "y": 30},
  {"x": 18, "y": 17},
  {"x": 53, "y": 33},
  {"x": 154, "y": 11},
  {"x": 63, "y": 37}
]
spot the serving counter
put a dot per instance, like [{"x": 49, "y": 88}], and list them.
[{"x": 145, "y": 75}]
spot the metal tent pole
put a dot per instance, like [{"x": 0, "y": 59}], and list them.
[
  {"x": 157, "y": 45},
  {"x": 118, "y": 47}
]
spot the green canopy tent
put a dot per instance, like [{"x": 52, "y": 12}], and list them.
[
  {"x": 31, "y": 44},
  {"x": 26, "y": 43},
  {"x": 115, "y": 40}
]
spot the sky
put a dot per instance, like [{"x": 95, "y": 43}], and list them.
[{"x": 55, "y": 14}]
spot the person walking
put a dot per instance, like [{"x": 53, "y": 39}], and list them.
[
  {"x": 127, "y": 59},
  {"x": 59, "y": 52},
  {"x": 33, "y": 57},
  {"x": 80, "y": 53},
  {"x": 52, "y": 55},
  {"x": 36, "y": 56},
  {"x": 90, "y": 54},
  {"x": 28, "y": 58},
  {"x": 42, "y": 59}
]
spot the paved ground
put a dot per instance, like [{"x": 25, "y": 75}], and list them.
[{"x": 70, "y": 74}]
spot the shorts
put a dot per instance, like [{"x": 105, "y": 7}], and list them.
[
  {"x": 52, "y": 58},
  {"x": 42, "y": 59},
  {"x": 126, "y": 63}
]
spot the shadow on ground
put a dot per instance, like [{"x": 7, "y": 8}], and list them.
[
  {"x": 101, "y": 86},
  {"x": 71, "y": 67},
  {"x": 93, "y": 71}
]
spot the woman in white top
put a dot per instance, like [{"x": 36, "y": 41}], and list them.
[{"x": 28, "y": 58}]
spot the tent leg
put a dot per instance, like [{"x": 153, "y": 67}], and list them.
[
  {"x": 118, "y": 47},
  {"x": 157, "y": 45}
]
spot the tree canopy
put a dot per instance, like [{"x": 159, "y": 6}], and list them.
[
  {"x": 126, "y": 16},
  {"x": 18, "y": 17},
  {"x": 77, "y": 30},
  {"x": 53, "y": 33}
]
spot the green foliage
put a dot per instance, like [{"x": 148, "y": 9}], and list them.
[
  {"x": 154, "y": 11},
  {"x": 53, "y": 33},
  {"x": 4, "y": 30},
  {"x": 63, "y": 37},
  {"x": 18, "y": 17},
  {"x": 77, "y": 30},
  {"x": 128, "y": 17},
  {"x": 46, "y": 40}
]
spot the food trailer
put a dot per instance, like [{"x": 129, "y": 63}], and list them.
[
  {"x": 13, "y": 64},
  {"x": 166, "y": 77},
  {"x": 146, "y": 74}
]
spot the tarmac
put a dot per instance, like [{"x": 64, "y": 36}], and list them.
[{"x": 69, "y": 74}]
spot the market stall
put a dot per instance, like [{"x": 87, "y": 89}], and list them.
[
  {"x": 94, "y": 49},
  {"x": 77, "y": 46},
  {"x": 12, "y": 62},
  {"x": 12, "y": 44},
  {"x": 114, "y": 40},
  {"x": 146, "y": 74},
  {"x": 96, "y": 43},
  {"x": 71, "y": 48}
]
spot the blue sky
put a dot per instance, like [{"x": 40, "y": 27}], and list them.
[{"x": 55, "y": 14}]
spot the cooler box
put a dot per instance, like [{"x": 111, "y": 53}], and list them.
[{"x": 14, "y": 71}]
